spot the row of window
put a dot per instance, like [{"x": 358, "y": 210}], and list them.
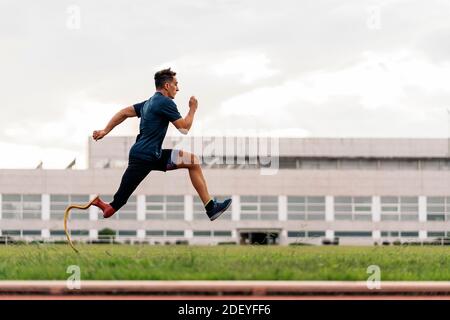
[
  {"x": 119, "y": 233},
  {"x": 362, "y": 234},
  {"x": 303, "y": 163},
  {"x": 384, "y": 234},
  {"x": 326, "y": 163},
  {"x": 363, "y": 164},
  {"x": 160, "y": 207},
  {"x": 225, "y": 233}
]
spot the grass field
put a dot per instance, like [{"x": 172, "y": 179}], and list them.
[{"x": 127, "y": 262}]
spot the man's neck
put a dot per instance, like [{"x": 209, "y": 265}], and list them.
[{"x": 163, "y": 93}]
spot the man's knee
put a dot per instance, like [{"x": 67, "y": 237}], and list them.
[
  {"x": 195, "y": 160},
  {"x": 188, "y": 159}
]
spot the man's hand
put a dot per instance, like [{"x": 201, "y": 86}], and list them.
[
  {"x": 98, "y": 134},
  {"x": 184, "y": 124},
  {"x": 193, "y": 104}
]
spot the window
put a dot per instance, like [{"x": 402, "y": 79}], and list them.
[
  {"x": 59, "y": 203},
  {"x": 126, "y": 233},
  {"x": 32, "y": 206},
  {"x": 175, "y": 207},
  {"x": 57, "y": 233},
  {"x": 305, "y": 208},
  {"x": 438, "y": 234},
  {"x": 348, "y": 164},
  {"x": 315, "y": 234},
  {"x": 305, "y": 234},
  {"x": 353, "y": 208},
  {"x": 357, "y": 164},
  {"x": 12, "y": 206},
  {"x": 409, "y": 234},
  {"x": 164, "y": 207},
  {"x": 399, "y": 208},
  {"x": 368, "y": 164},
  {"x": 216, "y": 233},
  {"x": 400, "y": 234},
  {"x": 435, "y": 164},
  {"x": 390, "y": 233},
  {"x": 18, "y": 206},
  {"x": 77, "y": 214},
  {"x": 154, "y": 233},
  {"x": 162, "y": 233},
  {"x": 155, "y": 207},
  {"x": 438, "y": 208},
  {"x": 22, "y": 233},
  {"x": 200, "y": 212},
  {"x": 353, "y": 234},
  {"x": 306, "y": 163},
  {"x": 296, "y": 208},
  {"x": 259, "y": 207},
  {"x": 175, "y": 233},
  {"x": 390, "y": 164},
  {"x": 199, "y": 209},
  {"x": 128, "y": 211},
  {"x": 11, "y": 233},
  {"x": 202, "y": 233},
  {"x": 435, "y": 234},
  {"x": 31, "y": 233},
  {"x": 219, "y": 233},
  {"x": 79, "y": 233},
  {"x": 296, "y": 234},
  {"x": 317, "y": 163}
]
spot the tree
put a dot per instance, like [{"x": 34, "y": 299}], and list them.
[{"x": 107, "y": 234}]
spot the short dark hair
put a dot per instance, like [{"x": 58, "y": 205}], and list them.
[{"x": 163, "y": 76}]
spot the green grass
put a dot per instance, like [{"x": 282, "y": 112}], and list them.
[{"x": 126, "y": 262}]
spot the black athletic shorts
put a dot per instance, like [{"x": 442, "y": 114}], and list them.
[{"x": 166, "y": 162}]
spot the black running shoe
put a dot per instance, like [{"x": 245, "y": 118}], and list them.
[{"x": 218, "y": 209}]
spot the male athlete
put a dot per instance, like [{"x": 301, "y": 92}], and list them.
[{"x": 147, "y": 153}]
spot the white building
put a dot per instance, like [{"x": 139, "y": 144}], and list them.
[{"x": 361, "y": 191}]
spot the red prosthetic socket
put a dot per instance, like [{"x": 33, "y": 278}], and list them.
[{"x": 107, "y": 209}]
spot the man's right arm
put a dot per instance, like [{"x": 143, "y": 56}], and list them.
[
  {"x": 118, "y": 118},
  {"x": 184, "y": 124}
]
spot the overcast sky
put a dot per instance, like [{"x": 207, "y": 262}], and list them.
[{"x": 347, "y": 68}]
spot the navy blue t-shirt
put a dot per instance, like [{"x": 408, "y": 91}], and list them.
[{"x": 155, "y": 114}]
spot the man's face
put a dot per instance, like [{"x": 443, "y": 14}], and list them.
[{"x": 171, "y": 88}]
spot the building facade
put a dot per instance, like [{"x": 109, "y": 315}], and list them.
[{"x": 286, "y": 190}]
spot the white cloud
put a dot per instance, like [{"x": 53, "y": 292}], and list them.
[
  {"x": 246, "y": 67},
  {"x": 58, "y": 142},
  {"x": 378, "y": 80},
  {"x": 300, "y": 68},
  {"x": 15, "y": 156},
  {"x": 243, "y": 67},
  {"x": 80, "y": 118}
]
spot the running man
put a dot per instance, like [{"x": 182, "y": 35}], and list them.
[{"x": 147, "y": 153}]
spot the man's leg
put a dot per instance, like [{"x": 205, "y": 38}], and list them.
[
  {"x": 191, "y": 162},
  {"x": 136, "y": 171}
]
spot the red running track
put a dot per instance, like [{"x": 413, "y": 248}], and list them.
[{"x": 225, "y": 290}]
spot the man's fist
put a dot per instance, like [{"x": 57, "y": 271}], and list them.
[
  {"x": 193, "y": 103},
  {"x": 98, "y": 134}
]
